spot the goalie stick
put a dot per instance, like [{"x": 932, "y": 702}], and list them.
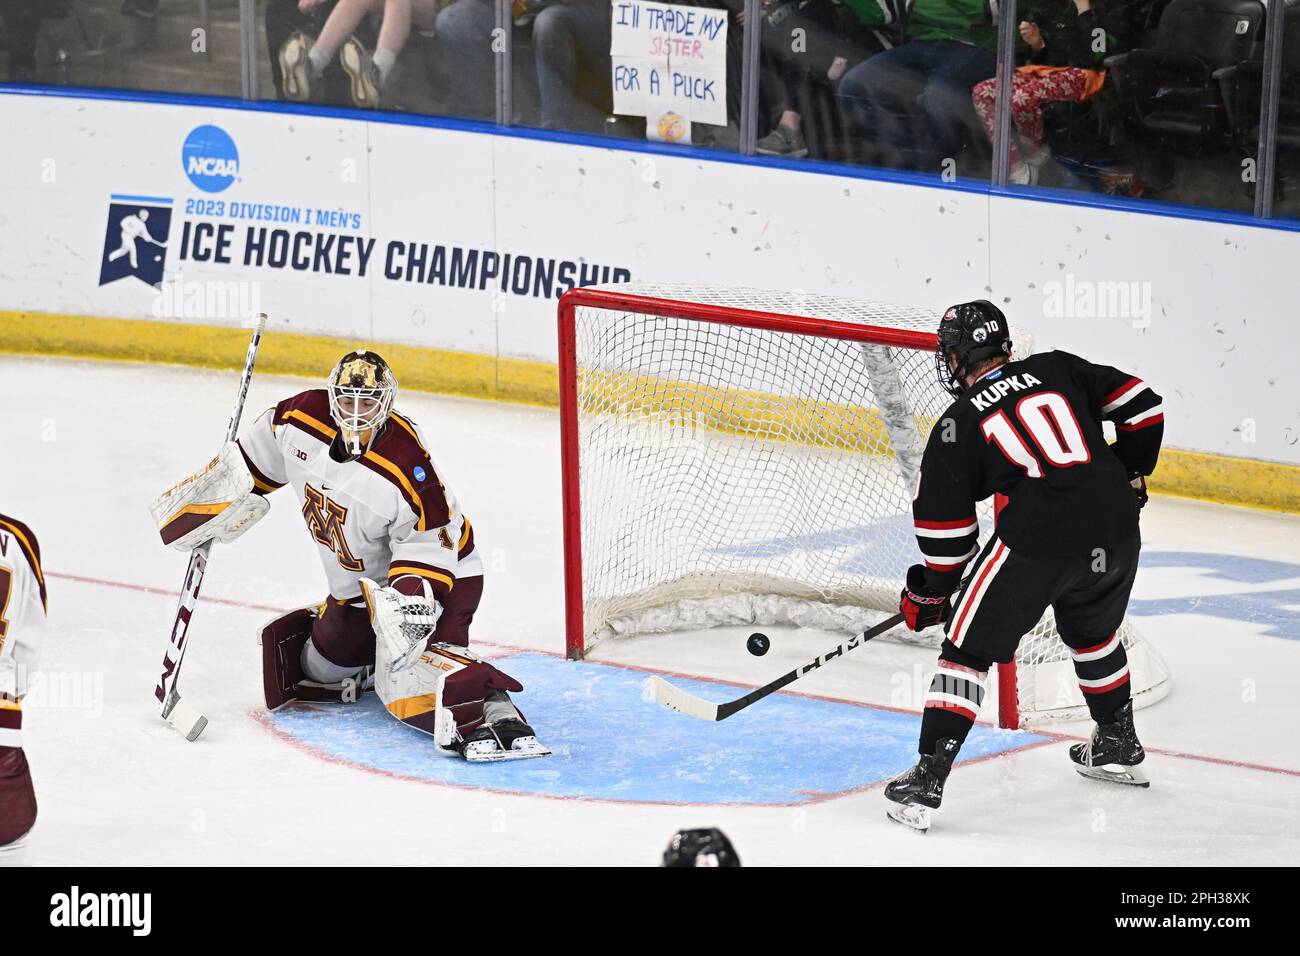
[
  {"x": 679, "y": 700},
  {"x": 186, "y": 718}
]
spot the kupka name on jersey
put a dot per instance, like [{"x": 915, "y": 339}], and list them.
[{"x": 1012, "y": 383}]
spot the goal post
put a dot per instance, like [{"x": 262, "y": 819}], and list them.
[{"x": 739, "y": 456}]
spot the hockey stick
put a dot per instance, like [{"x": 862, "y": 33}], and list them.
[
  {"x": 679, "y": 700},
  {"x": 183, "y": 717}
]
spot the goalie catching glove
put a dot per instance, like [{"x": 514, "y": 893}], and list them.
[
  {"x": 403, "y": 623},
  {"x": 921, "y": 607},
  {"x": 217, "y": 503}
]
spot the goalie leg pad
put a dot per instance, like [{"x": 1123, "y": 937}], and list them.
[
  {"x": 293, "y": 668},
  {"x": 282, "y": 642},
  {"x": 443, "y": 692}
]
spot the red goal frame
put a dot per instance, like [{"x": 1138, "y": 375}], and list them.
[{"x": 613, "y": 300}]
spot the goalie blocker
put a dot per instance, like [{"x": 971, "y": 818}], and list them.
[{"x": 218, "y": 503}]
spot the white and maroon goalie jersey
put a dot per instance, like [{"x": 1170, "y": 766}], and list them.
[
  {"x": 381, "y": 515},
  {"x": 22, "y": 619},
  {"x": 1032, "y": 430}
]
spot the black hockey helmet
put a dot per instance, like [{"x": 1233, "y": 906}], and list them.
[
  {"x": 703, "y": 847},
  {"x": 969, "y": 333}
]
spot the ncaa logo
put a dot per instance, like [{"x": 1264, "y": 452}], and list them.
[
  {"x": 979, "y": 335},
  {"x": 210, "y": 158}
]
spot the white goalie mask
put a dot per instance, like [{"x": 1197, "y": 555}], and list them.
[{"x": 362, "y": 388}]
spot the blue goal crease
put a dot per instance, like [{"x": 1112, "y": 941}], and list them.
[{"x": 613, "y": 742}]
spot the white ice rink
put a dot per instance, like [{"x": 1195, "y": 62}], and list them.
[{"x": 88, "y": 444}]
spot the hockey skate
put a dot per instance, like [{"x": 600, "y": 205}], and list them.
[
  {"x": 507, "y": 739},
  {"x": 1113, "y": 753},
  {"x": 912, "y": 795}
]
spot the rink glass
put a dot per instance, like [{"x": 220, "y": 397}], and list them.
[{"x": 1194, "y": 98}]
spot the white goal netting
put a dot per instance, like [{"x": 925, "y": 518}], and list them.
[{"x": 732, "y": 474}]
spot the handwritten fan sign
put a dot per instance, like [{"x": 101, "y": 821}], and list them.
[{"x": 669, "y": 62}]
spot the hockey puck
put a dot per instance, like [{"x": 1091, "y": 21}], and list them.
[{"x": 758, "y": 644}]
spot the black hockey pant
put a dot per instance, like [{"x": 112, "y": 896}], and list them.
[{"x": 1003, "y": 598}]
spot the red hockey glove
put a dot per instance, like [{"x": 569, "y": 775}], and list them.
[
  {"x": 922, "y": 608},
  {"x": 1139, "y": 484}
]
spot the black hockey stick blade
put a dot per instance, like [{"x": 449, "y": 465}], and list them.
[{"x": 679, "y": 700}]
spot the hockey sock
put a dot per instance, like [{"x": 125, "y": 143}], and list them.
[
  {"x": 953, "y": 702},
  {"x": 497, "y": 705},
  {"x": 1102, "y": 669},
  {"x": 318, "y": 60},
  {"x": 384, "y": 60}
]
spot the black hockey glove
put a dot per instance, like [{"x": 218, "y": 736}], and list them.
[
  {"x": 1139, "y": 484},
  {"x": 922, "y": 608}
]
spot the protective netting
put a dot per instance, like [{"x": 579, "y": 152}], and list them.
[{"x": 740, "y": 475}]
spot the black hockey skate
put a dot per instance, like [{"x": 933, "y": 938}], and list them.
[
  {"x": 912, "y": 795},
  {"x": 507, "y": 739},
  {"x": 1113, "y": 753}
]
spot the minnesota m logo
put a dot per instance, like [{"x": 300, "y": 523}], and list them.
[{"x": 325, "y": 522}]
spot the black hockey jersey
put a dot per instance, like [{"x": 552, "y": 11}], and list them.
[{"x": 1032, "y": 430}]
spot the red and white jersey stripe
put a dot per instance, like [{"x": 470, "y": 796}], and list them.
[{"x": 969, "y": 603}]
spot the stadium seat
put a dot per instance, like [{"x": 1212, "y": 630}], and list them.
[
  {"x": 1169, "y": 89},
  {"x": 1241, "y": 86}
]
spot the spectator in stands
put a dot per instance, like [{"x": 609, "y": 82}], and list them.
[
  {"x": 303, "y": 60},
  {"x": 912, "y": 103},
  {"x": 140, "y": 9},
  {"x": 567, "y": 35},
  {"x": 808, "y": 45},
  {"x": 20, "y": 25},
  {"x": 464, "y": 38},
  {"x": 1064, "y": 45}
]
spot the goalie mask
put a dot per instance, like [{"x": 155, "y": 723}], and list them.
[
  {"x": 362, "y": 389},
  {"x": 969, "y": 333}
]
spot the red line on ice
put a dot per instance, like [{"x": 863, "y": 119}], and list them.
[{"x": 1052, "y": 736}]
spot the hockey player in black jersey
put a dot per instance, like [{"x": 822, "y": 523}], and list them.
[{"x": 1067, "y": 537}]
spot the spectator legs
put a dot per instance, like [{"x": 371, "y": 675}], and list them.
[
  {"x": 22, "y": 24},
  {"x": 342, "y": 23},
  {"x": 913, "y": 103},
  {"x": 396, "y": 26},
  {"x": 879, "y": 98},
  {"x": 561, "y": 36},
  {"x": 946, "y": 102},
  {"x": 464, "y": 37},
  {"x": 1029, "y": 93}
]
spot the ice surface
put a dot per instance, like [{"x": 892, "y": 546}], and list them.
[{"x": 88, "y": 444}]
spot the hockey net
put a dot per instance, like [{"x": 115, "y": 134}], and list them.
[{"x": 736, "y": 456}]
